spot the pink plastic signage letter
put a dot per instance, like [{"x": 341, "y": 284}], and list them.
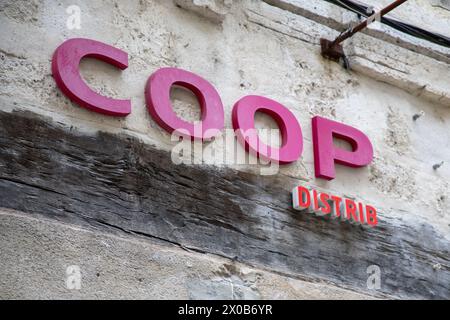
[
  {"x": 65, "y": 69},
  {"x": 326, "y": 154},
  {"x": 157, "y": 95},
  {"x": 243, "y": 118}
]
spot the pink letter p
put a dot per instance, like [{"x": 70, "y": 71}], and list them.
[{"x": 326, "y": 154}]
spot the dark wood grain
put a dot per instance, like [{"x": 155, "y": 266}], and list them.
[{"x": 118, "y": 183}]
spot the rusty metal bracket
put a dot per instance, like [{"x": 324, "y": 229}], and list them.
[{"x": 333, "y": 50}]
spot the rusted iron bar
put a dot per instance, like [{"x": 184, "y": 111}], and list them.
[{"x": 333, "y": 49}]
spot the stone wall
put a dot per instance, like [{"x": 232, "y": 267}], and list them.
[{"x": 92, "y": 189}]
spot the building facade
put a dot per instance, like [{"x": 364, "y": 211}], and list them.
[{"x": 99, "y": 206}]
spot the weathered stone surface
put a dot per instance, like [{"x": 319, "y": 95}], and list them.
[
  {"x": 396, "y": 63},
  {"x": 37, "y": 252},
  {"x": 414, "y": 12},
  {"x": 210, "y": 9},
  {"x": 441, "y": 3},
  {"x": 118, "y": 184}
]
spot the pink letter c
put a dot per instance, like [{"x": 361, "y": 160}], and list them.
[{"x": 65, "y": 69}]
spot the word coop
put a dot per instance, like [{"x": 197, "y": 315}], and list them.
[{"x": 65, "y": 70}]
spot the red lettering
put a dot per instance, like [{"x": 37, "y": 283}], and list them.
[
  {"x": 307, "y": 202},
  {"x": 337, "y": 203},
  {"x": 371, "y": 214},
  {"x": 324, "y": 199},
  {"x": 350, "y": 210},
  {"x": 361, "y": 212},
  {"x": 301, "y": 198},
  {"x": 316, "y": 201}
]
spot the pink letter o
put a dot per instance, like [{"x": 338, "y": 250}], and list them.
[
  {"x": 243, "y": 117},
  {"x": 157, "y": 95}
]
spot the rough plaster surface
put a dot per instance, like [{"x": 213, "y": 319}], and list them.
[
  {"x": 257, "y": 47},
  {"x": 36, "y": 253}
]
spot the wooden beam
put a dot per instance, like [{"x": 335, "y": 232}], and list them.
[{"x": 120, "y": 184}]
